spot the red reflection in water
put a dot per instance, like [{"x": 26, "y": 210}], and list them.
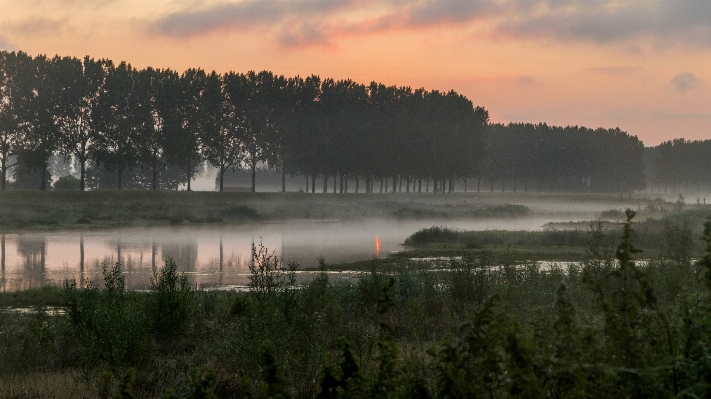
[{"x": 377, "y": 246}]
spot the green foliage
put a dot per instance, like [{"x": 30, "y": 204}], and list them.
[
  {"x": 677, "y": 241},
  {"x": 67, "y": 183},
  {"x": 614, "y": 214},
  {"x": 611, "y": 326},
  {"x": 124, "y": 390},
  {"x": 108, "y": 328},
  {"x": 478, "y": 239},
  {"x": 239, "y": 212},
  {"x": 705, "y": 262},
  {"x": 201, "y": 386},
  {"x": 431, "y": 235},
  {"x": 599, "y": 253},
  {"x": 171, "y": 302},
  {"x": 267, "y": 274}
]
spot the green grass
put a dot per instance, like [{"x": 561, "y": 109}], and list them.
[{"x": 45, "y": 296}]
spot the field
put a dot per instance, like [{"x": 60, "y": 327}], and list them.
[
  {"x": 60, "y": 210},
  {"x": 483, "y": 317}
]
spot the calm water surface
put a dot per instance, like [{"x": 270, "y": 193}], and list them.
[{"x": 211, "y": 256}]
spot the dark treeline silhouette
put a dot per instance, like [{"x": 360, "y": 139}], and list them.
[
  {"x": 114, "y": 120},
  {"x": 680, "y": 165},
  {"x": 149, "y": 128},
  {"x": 538, "y": 156}
]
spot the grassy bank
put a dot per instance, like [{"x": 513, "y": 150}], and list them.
[
  {"x": 671, "y": 236},
  {"x": 35, "y": 210},
  {"x": 604, "y": 327}
]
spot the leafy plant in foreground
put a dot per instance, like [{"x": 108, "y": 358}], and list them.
[
  {"x": 172, "y": 300},
  {"x": 109, "y": 328}
]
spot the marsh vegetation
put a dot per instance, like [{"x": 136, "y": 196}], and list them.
[{"x": 603, "y": 326}]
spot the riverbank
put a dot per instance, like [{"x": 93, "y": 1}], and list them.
[{"x": 67, "y": 210}]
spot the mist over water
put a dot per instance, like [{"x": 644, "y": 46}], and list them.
[{"x": 211, "y": 256}]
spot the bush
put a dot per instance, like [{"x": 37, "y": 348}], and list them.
[
  {"x": 67, "y": 183},
  {"x": 107, "y": 327},
  {"x": 612, "y": 214},
  {"x": 434, "y": 234},
  {"x": 239, "y": 212},
  {"x": 171, "y": 302}
]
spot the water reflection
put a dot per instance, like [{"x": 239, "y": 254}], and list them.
[
  {"x": 2, "y": 263},
  {"x": 33, "y": 251},
  {"x": 210, "y": 256}
]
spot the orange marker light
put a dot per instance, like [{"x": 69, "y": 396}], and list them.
[{"x": 377, "y": 246}]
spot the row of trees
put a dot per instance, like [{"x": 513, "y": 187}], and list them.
[
  {"x": 117, "y": 118},
  {"x": 680, "y": 164},
  {"x": 563, "y": 158},
  {"x": 154, "y": 128}
]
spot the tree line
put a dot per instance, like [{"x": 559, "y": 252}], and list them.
[
  {"x": 554, "y": 158},
  {"x": 154, "y": 128},
  {"x": 680, "y": 164},
  {"x": 116, "y": 118}
]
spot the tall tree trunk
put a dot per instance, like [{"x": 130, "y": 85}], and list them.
[
  {"x": 381, "y": 185},
  {"x": 222, "y": 178},
  {"x": 283, "y": 180},
  {"x": 340, "y": 183},
  {"x": 325, "y": 183},
  {"x": 394, "y": 184},
  {"x": 82, "y": 179},
  {"x": 254, "y": 175},
  {"x": 313, "y": 183},
  {"x": 407, "y": 183},
  {"x": 307, "y": 184},
  {"x": 335, "y": 182},
  {"x": 345, "y": 184},
  {"x": 419, "y": 185},
  {"x": 190, "y": 173},
  {"x": 357, "y": 181},
  {"x": 4, "y": 172}
]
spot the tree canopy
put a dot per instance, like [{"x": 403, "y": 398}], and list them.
[{"x": 152, "y": 128}]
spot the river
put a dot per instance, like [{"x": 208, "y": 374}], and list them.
[{"x": 211, "y": 256}]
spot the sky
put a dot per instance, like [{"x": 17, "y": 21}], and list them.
[{"x": 641, "y": 65}]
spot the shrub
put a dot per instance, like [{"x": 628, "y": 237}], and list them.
[
  {"x": 107, "y": 327},
  {"x": 67, "y": 183},
  {"x": 434, "y": 234},
  {"x": 613, "y": 214},
  {"x": 267, "y": 274},
  {"x": 239, "y": 212},
  {"x": 171, "y": 302}
]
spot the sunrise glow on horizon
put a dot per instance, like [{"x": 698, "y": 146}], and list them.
[{"x": 642, "y": 66}]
